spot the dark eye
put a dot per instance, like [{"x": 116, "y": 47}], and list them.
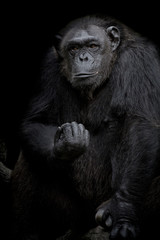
[
  {"x": 73, "y": 49},
  {"x": 93, "y": 46}
]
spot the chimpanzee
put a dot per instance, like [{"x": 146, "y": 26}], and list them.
[{"x": 90, "y": 141}]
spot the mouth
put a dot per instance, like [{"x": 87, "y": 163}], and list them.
[{"x": 84, "y": 74}]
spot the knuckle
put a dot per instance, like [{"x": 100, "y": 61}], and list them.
[
  {"x": 81, "y": 125},
  {"x": 65, "y": 125},
  {"x": 74, "y": 122},
  {"x": 86, "y": 131}
]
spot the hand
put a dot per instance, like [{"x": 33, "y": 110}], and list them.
[
  {"x": 71, "y": 140},
  {"x": 118, "y": 218}
]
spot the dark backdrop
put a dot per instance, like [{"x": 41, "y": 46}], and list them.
[{"x": 27, "y": 31}]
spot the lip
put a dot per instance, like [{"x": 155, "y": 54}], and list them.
[{"x": 84, "y": 74}]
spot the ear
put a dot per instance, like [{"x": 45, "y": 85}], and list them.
[
  {"x": 57, "y": 39},
  {"x": 114, "y": 36},
  {"x": 56, "y": 43}
]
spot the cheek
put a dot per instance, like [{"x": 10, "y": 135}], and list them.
[
  {"x": 66, "y": 68},
  {"x": 106, "y": 63},
  {"x": 102, "y": 59}
]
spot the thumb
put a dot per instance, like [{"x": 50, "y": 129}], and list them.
[{"x": 58, "y": 134}]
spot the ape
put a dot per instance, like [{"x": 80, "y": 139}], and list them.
[{"x": 91, "y": 138}]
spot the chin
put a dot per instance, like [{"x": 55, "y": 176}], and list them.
[{"x": 88, "y": 82}]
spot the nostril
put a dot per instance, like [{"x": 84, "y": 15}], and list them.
[{"x": 83, "y": 57}]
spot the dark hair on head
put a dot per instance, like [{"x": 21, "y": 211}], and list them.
[{"x": 96, "y": 19}]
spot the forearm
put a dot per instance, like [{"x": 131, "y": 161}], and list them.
[
  {"x": 136, "y": 161},
  {"x": 37, "y": 141},
  {"x": 55, "y": 146}
]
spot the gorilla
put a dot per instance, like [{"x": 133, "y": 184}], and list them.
[{"x": 90, "y": 139}]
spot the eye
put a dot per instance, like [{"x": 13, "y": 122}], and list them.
[
  {"x": 93, "y": 46},
  {"x": 73, "y": 49}
]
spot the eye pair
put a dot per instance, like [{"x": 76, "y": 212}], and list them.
[{"x": 77, "y": 47}]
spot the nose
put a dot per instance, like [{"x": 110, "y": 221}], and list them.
[{"x": 83, "y": 57}]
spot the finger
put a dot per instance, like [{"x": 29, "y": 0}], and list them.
[
  {"x": 58, "y": 134},
  {"x": 128, "y": 231},
  {"x": 87, "y": 137},
  {"x": 115, "y": 232},
  {"x": 99, "y": 216},
  {"x": 64, "y": 125},
  {"x": 75, "y": 130},
  {"x": 81, "y": 129},
  {"x": 67, "y": 130},
  {"x": 108, "y": 222},
  {"x": 124, "y": 232}
]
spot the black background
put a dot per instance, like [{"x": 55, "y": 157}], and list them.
[{"x": 27, "y": 31}]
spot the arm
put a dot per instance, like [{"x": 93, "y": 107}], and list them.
[
  {"x": 136, "y": 157},
  {"x": 46, "y": 142},
  {"x": 133, "y": 167},
  {"x": 38, "y": 140}
]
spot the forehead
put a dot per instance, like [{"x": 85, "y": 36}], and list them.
[{"x": 89, "y": 32}]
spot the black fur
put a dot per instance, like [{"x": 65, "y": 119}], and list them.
[{"x": 122, "y": 162}]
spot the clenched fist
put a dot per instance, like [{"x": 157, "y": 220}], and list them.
[{"x": 71, "y": 140}]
